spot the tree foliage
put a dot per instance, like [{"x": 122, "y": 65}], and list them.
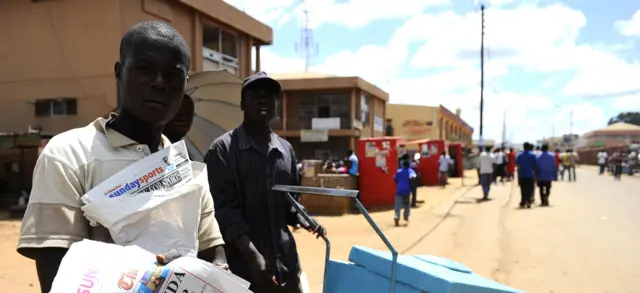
[{"x": 627, "y": 117}]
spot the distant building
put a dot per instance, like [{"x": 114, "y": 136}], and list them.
[
  {"x": 414, "y": 122},
  {"x": 564, "y": 142},
  {"x": 617, "y": 134},
  {"x": 323, "y": 116}
]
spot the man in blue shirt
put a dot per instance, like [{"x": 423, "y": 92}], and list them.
[
  {"x": 545, "y": 173},
  {"x": 526, "y": 162},
  {"x": 403, "y": 178}
]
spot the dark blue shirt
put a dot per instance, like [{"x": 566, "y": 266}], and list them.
[
  {"x": 546, "y": 167},
  {"x": 526, "y": 161},
  {"x": 403, "y": 181}
]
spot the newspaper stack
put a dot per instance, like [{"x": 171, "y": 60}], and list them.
[{"x": 130, "y": 269}]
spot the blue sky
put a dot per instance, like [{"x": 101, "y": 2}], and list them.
[{"x": 544, "y": 59}]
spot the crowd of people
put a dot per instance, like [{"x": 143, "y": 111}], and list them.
[{"x": 534, "y": 165}]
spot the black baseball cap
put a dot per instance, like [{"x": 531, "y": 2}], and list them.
[{"x": 261, "y": 80}]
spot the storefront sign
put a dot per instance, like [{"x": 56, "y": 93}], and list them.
[
  {"x": 378, "y": 124},
  {"x": 325, "y": 123},
  {"x": 314, "y": 135},
  {"x": 416, "y": 129}
]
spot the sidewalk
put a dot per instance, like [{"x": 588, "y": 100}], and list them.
[{"x": 348, "y": 230}]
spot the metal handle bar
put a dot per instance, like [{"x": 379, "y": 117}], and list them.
[{"x": 288, "y": 189}]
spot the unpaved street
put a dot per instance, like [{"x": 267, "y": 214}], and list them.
[{"x": 587, "y": 241}]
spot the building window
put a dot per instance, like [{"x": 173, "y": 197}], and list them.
[
  {"x": 229, "y": 44},
  {"x": 220, "y": 49},
  {"x": 365, "y": 111},
  {"x": 324, "y": 105},
  {"x": 56, "y": 107}
]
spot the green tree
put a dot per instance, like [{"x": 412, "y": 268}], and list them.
[{"x": 627, "y": 117}]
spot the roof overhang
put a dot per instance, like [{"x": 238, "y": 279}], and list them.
[
  {"x": 232, "y": 17},
  {"x": 302, "y": 83}
]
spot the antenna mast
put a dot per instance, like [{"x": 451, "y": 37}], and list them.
[{"x": 306, "y": 45}]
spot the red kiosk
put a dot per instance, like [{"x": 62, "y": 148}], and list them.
[
  {"x": 378, "y": 158},
  {"x": 456, "y": 153},
  {"x": 430, "y": 151}
]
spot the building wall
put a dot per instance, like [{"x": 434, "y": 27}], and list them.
[
  {"x": 413, "y": 122},
  {"x": 416, "y": 122},
  {"x": 67, "y": 48}
]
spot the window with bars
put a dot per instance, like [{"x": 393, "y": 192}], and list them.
[
  {"x": 324, "y": 105},
  {"x": 56, "y": 107}
]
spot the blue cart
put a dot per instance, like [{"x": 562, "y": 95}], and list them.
[{"x": 373, "y": 271}]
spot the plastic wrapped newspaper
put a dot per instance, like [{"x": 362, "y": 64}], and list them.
[
  {"x": 95, "y": 267},
  {"x": 169, "y": 167},
  {"x": 151, "y": 202}
]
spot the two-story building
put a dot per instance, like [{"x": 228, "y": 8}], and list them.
[
  {"x": 415, "y": 122},
  {"x": 57, "y": 56},
  {"x": 323, "y": 116}
]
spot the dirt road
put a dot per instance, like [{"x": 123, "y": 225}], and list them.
[{"x": 587, "y": 241}]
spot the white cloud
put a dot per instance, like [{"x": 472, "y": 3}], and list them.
[
  {"x": 449, "y": 56},
  {"x": 630, "y": 27}
]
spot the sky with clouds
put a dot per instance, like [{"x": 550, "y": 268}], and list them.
[{"x": 544, "y": 59}]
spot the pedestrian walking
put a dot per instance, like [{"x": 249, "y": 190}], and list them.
[
  {"x": 501, "y": 163},
  {"x": 618, "y": 160},
  {"x": 244, "y": 164},
  {"x": 556, "y": 155},
  {"x": 403, "y": 178},
  {"x": 569, "y": 162},
  {"x": 526, "y": 162},
  {"x": 444, "y": 162},
  {"x": 485, "y": 167},
  {"x": 511, "y": 164},
  {"x": 415, "y": 182},
  {"x": 545, "y": 173},
  {"x": 602, "y": 161}
]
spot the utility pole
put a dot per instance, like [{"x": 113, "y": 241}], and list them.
[
  {"x": 480, "y": 141},
  {"x": 571, "y": 128}
]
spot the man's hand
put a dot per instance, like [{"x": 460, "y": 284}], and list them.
[
  {"x": 314, "y": 228},
  {"x": 258, "y": 269},
  {"x": 167, "y": 257}
]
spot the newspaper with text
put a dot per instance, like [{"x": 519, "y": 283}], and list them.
[
  {"x": 130, "y": 269},
  {"x": 169, "y": 167}
]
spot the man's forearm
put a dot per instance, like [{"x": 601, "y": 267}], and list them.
[
  {"x": 47, "y": 263},
  {"x": 213, "y": 254},
  {"x": 245, "y": 246}
]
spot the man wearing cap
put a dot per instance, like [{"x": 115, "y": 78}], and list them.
[{"x": 244, "y": 164}]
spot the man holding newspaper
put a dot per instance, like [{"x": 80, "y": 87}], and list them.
[
  {"x": 119, "y": 180},
  {"x": 152, "y": 75}
]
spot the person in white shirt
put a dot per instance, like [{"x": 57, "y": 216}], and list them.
[
  {"x": 602, "y": 161},
  {"x": 486, "y": 161},
  {"x": 500, "y": 165},
  {"x": 443, "y": 168}
]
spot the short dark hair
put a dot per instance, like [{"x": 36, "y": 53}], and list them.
[
  {"x": 545, "y": 147},
  {"x": 349, "y": 152},
  {"x": 154, "y": 30},
  {"x": 487, "y": 148}
]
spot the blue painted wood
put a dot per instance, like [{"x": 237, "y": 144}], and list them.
[{"x": 369, "y": 270}]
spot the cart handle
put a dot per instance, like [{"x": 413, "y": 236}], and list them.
[{"x": 288, "y": 189}]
